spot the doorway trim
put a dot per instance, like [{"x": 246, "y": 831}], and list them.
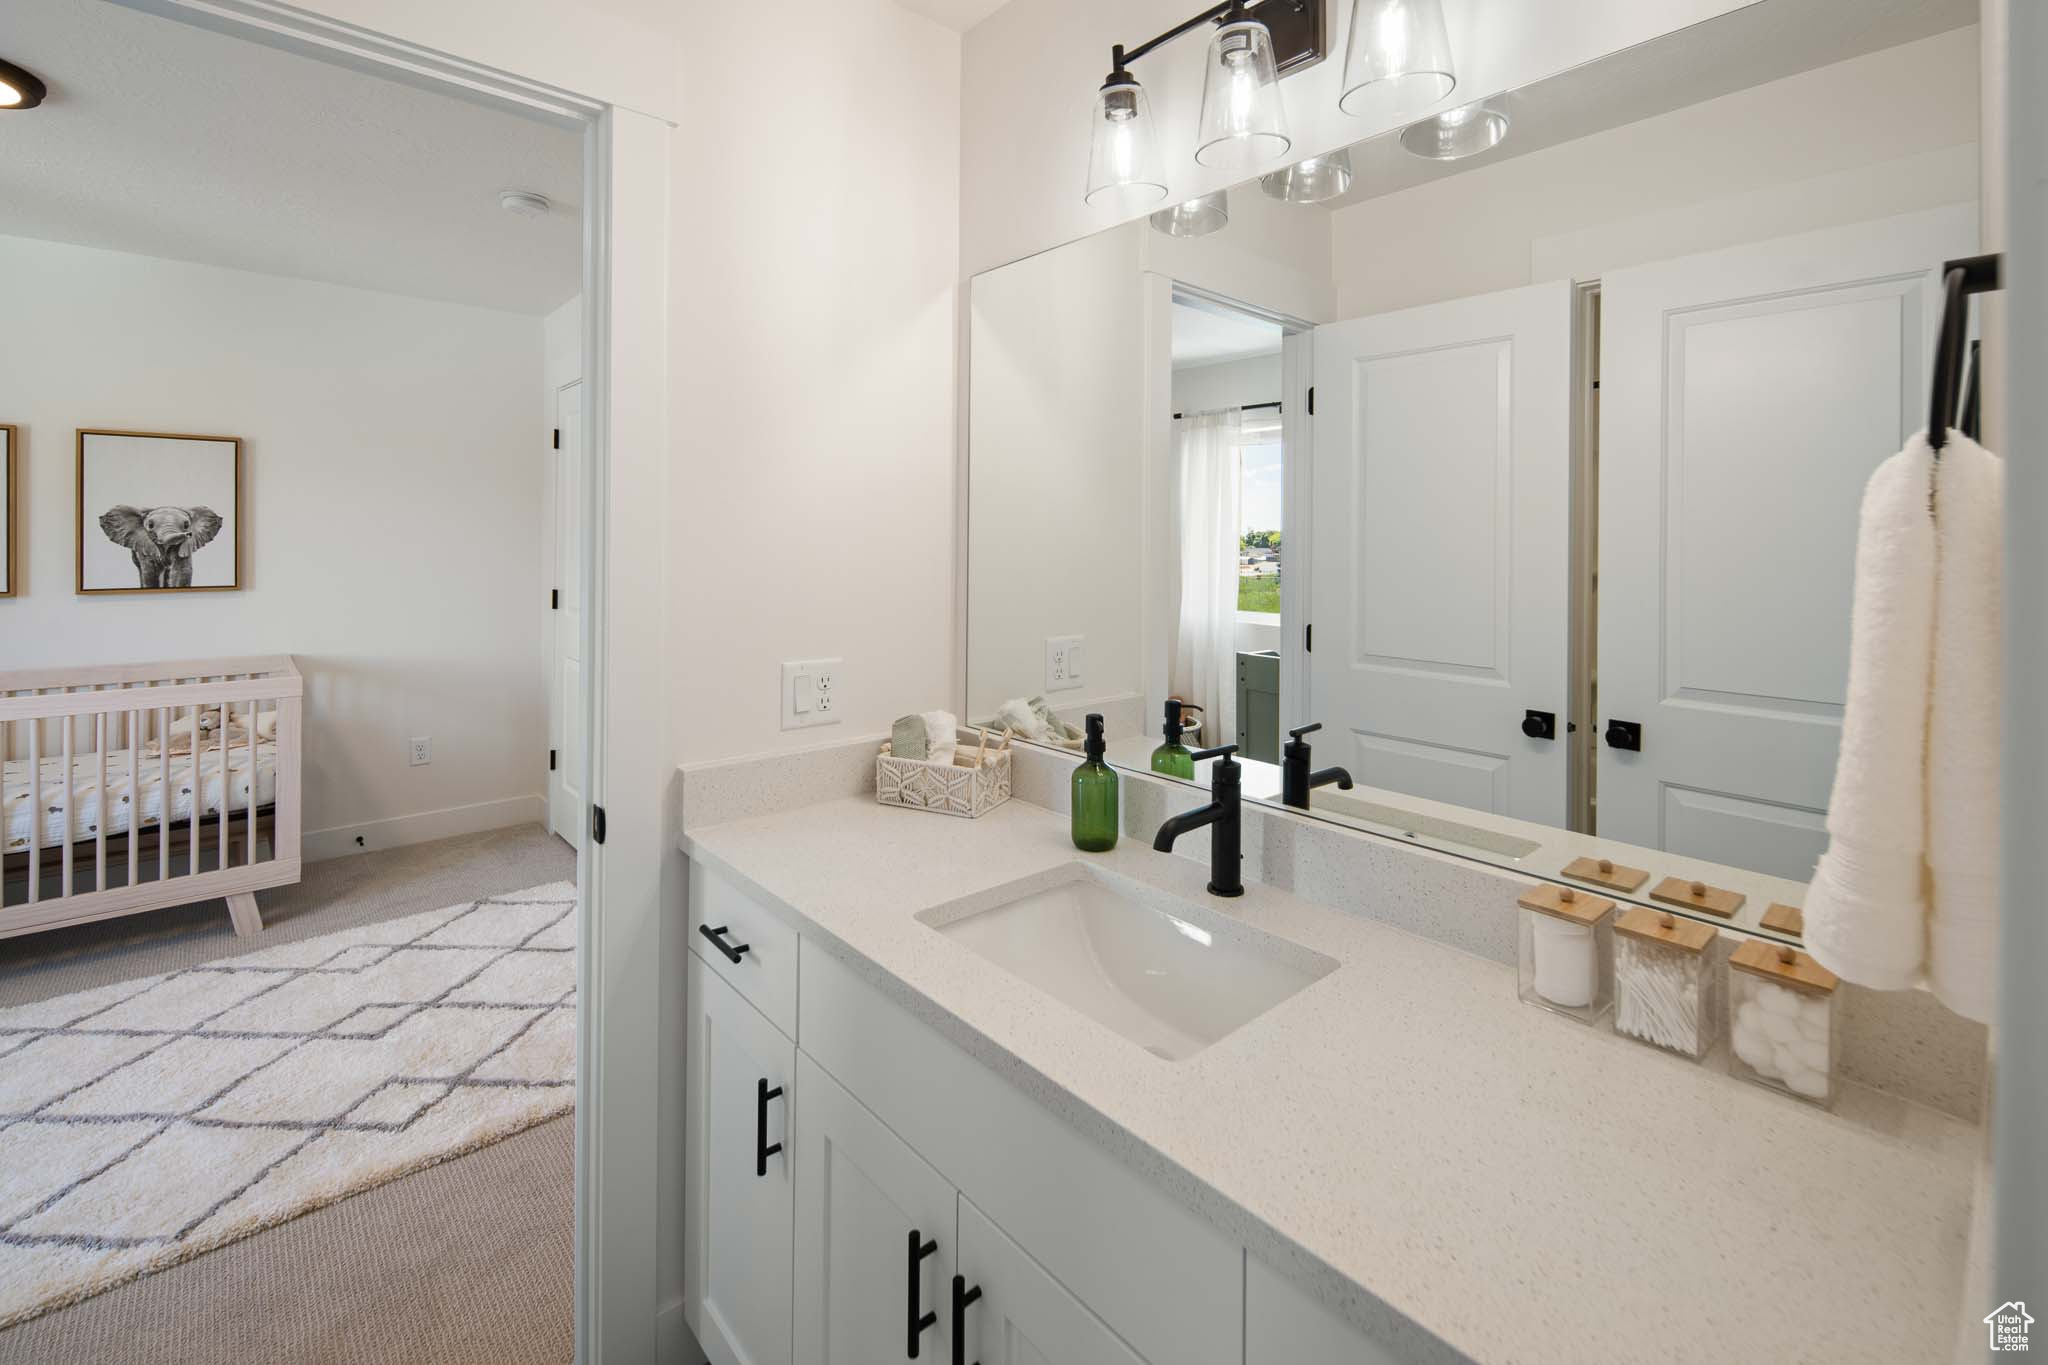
[{"x": 628, "y": 880}]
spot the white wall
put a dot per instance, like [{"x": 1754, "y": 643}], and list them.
[
  {"x": 1057, "y": 494},
  {"x": 813, "y": 321},
  {"x": 1272, "y": 255},
  {"x": 391, "y": 502},
  {"x": 1887, "y": 133},
  {"x": 1031, "y": 70},
  {"x": 1227, "y": 383}
]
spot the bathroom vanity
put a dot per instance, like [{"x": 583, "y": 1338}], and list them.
[{"x": 957, "y": 1092}]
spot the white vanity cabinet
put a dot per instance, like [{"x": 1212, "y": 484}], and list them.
[
  {"x": 904, "y": 1163},
  {"x": 738, "y": 1187}
]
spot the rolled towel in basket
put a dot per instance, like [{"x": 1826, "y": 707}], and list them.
[{"x": 941, "y": 736}]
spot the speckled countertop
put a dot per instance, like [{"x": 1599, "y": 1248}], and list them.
[{"x": 1406, "y": 1135}]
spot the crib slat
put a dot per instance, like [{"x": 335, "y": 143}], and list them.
[
  {"x": 192, "y": 825},
  {"x": 65, "y": 833},
  {"x": 163, "y": 815},
  {"x": 226, "y": 805},
  {"x": 134, "y": 783},
  {"x": 35, "y": 811},
  {"x": 99, "y": 826},
  {"x": 249, "y": 826}
]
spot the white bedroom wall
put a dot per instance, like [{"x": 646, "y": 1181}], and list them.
[
  {"x": 391, "y": 488},
  {"x": 1900, "y": 135}
]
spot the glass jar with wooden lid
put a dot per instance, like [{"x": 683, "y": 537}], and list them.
[
  {"x": 1664, "y": 992},
  {"x": 1567, "y": 957},
  {"x": 1781, "y": 1021}
]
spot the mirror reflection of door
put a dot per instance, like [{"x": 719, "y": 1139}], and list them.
[
  {"x": 1746, "y": 396},
  {"x": 1442, "y": 521}
]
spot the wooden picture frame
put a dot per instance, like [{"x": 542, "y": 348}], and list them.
[
  {"x": 154, "y": 554},
  {"x": 10, "y": 517}
]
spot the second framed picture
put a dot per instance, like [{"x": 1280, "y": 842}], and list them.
[
  {"x": 10, "y": 456},
  {"x": 159, "y": 513}
]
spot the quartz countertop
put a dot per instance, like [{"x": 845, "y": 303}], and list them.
[{"x": 1405, "y": 1134}]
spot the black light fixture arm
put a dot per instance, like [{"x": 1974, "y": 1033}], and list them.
[{"x": 1121, "y": 57}]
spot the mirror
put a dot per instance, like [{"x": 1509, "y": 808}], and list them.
[{"x": 1530, "y": 476}]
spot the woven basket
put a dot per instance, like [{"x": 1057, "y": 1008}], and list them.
[{"x": 973, "y": 784}]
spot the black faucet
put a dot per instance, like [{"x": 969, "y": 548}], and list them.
[
  {"x": 1296, "y": 781},
  {"x": 1225, "y": 818}
]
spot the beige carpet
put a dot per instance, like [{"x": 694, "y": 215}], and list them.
[{"x": 466, "y": 1261}]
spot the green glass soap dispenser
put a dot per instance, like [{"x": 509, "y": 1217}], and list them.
[
  {"x": 1172, "y": 757},
  {"x": 1094, "y": 796}
]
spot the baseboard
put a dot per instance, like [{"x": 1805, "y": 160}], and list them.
[{"x": 320, "y": 844}]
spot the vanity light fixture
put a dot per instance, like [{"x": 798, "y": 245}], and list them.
[
  {"x": 1310, "y": 180},
  {"x": 20, "y": 89},
  {"x": 1197, "y": 217},
  {"x": 1455, "y": 133},
  {"x": 1242, "y": 121},
  {"x": 1397, "y": 58}
]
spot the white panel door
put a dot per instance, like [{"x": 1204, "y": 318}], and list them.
[
  {"x": 1020, "y": 1315},
  {"x": 565, "y": 623},
  {"x": 866, "y": 1207},
  {"x": 739, "y": 1211},
  {"x": 1745, "y": 397},
  {"x": 1440, "y": 592}
]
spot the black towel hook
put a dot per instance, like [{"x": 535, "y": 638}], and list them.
[{"x": 1960, "y": 278}]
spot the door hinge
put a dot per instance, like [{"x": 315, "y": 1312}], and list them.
[
  {"x": 554, "y": 599},
  {"x": 597, "y": 824},
  {"x": 1311, "y": 400},
  {"x": 551, "y": 760},
  {"x": 558, "y": 438},
  {"x": 1308, "y": 638}
]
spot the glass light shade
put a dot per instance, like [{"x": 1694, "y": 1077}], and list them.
[
  {"x": 1397, "y": 59},
  {"x": 1123, "y": 153},
  {"x": 1311, "y": 180},
  {"x": 1196, "y": 218},
  {"x": 1243, "y": 124},
  {"x": 1455, "y": 133}
]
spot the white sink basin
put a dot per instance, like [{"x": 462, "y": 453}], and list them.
[{"x": 1170, "y": 976}]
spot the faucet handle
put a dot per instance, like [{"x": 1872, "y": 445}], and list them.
[
  {"x": 1307, "y": 729},
  {"x": 1220, "y": 751}
]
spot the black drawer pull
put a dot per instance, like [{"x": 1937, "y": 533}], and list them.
[
  {"x": 763, "y": 1149},
  {"x": 732, "y": 951},
  {"x": 962, "y": 1296},
  {"x": 919, "y": 1319}
]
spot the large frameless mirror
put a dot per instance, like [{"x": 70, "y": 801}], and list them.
[{"x": 1519, "y": 450}]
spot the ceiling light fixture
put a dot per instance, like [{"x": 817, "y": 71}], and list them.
[
  {"x": 1456, "y": 133},
  {"x": 1310, "y": 180},
  {"x": 1242, "y": 120},
  {"x": 20, "y": 89},
  {"x": 1196, "y": 218},
  {"x": 524, "y": 203},
  {"x": 1397, "y": 58}
]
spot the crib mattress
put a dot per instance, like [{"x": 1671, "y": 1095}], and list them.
[{"x": 127, "y": 793}]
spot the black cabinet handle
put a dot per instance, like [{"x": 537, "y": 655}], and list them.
[
  {"x": 918, "y": 1319},
  {"x": 962, "y": 1296},
  {"x": 763, "y": 1149},
  {"x": 1625, "y": 734},
  {"x": 732, "y": 951}
]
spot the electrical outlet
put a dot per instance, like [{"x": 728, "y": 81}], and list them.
[
  {"x": 810, "y": 690},
  {"x": 421, "y": 750},
  {"x": 1062, "y": 662}
]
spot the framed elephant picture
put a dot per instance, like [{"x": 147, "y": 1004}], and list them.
[{"x": 158, "y": 512}]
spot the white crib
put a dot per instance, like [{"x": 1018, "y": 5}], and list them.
[{"x": 132, "y": 787}]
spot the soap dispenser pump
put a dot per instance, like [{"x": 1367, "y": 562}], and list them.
[
  {"x": 1094, "y": 796},
  {"x": 1173, "y": 758}
]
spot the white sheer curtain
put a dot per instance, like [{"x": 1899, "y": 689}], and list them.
[{"x": 1205, "y": 526}]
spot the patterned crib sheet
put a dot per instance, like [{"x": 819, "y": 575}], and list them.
[{"x": 126, "y": 793}]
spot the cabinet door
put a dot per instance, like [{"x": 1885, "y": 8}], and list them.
[
  {"x": 874, "y": 1236},
  {"x": 1021, "y": 1315},
  {"x": 738, "y": 1209}
]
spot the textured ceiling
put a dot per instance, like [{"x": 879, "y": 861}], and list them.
[
  {"x": 167, "y": 140},
  {"x": 954, "y": 14},
  {"x": 1208, "y": 336}
]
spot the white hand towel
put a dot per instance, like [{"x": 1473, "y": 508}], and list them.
[
  {"x": 1866, "y": 911},
  {"x": 1963, "y": 728},
  {"x": 942, "y": 736}
]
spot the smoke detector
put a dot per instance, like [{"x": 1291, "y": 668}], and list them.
[{"x": 524, "y": 203}]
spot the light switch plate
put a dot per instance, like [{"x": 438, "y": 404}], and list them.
[
  {"x": 1062, "y": 662},
  {"x": 810, "y": 693}
]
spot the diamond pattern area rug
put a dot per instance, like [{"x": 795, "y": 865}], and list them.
[{"x": 144, "y": 1123}]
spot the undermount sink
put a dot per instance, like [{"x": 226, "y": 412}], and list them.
[{"x": 1170, "y": 976}]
